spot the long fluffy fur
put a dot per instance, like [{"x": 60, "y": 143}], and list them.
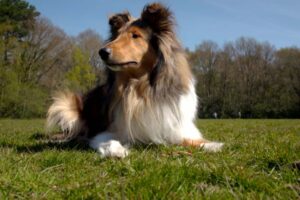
[
  {"x": 158, "y": 107},
  {"x": 65, "y": 112}
]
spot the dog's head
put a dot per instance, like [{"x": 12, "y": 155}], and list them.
[{"x": 135, "y": 44}]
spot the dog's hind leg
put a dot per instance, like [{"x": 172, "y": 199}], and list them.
[
  {"x": 205, "y": 144},
  {"x": 107, "y": 146},
  {"x": 191, "y": 136}
]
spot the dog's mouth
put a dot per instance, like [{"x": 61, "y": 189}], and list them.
[
  {"x": 122, "y": 64},
  {"x": 118, "y": 66}
]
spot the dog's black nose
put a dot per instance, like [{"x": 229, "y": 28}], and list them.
[{"x": 104, "y": 53}]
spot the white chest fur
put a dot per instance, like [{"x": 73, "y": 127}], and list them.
[{"x": 162, "y": 123}]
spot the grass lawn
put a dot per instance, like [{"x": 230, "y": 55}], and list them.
[{"x": 256, "y": 163}]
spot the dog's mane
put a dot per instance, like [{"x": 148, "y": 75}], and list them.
[
  {"x": 171, "y": 74},
  {"x": 148, "y": 97},
  {"x": 170, "y": 77}
]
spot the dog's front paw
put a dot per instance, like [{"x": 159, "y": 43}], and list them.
[{"x": 113, "y": 148}]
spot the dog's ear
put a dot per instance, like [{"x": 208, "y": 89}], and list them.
[
  {"x": 157, "y": 69},
  {"x": 117, "y": 21},
  {"x": 158, "y": 17},
  {"x": 161, "y": 21}
]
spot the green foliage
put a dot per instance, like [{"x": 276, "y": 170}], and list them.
[
  {"x": 20, "y": 99},
  {"x": 256, "y": 163},
  {"x": 80, "y": 77},
  {"x": 19, "y": 14},
  {"x": 34, "y": 57},
  {"x": 9, "y": 90}
]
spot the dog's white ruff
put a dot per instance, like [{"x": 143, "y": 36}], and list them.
[{"x": 166, "y": 124}]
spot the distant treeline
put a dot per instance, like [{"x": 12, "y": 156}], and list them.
[
  {"x": 245, "y": 78},
  {"x": 248, "y": 79}
]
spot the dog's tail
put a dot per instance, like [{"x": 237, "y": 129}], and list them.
[{"x": 65, "y": 112}]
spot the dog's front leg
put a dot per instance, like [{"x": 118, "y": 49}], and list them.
[{"x": 107, "y": 146}]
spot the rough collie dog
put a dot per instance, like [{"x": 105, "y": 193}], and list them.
[{"x": 149, "y": 95}]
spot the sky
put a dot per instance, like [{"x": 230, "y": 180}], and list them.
[{"x": 275, "y": 21}]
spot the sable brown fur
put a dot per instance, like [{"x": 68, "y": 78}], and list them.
[
  {"x": 159, "y": 18},
  {"x": 149, "y": 95},
  {"x": 162, "y": 79},
  {"x": 117, "y": 21}
]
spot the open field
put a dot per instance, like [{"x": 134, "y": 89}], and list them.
[{"x": 255, "y": 164}]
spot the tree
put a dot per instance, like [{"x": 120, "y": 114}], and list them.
[
  {"x": 81, "y": 76},
  {"x": 16, "y": 19},
  {"x": 46, "y": 54},
  {"x": 204, "y": 61},
  {"x": 287, "y": 65},
  {"x": 90, "y": 42},
  {"x": 247, "y": 78}
]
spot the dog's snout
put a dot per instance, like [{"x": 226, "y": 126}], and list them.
[{"x": 105, "y": 53}]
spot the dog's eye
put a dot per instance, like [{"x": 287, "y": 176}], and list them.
[{"x": 134, "y": 35}]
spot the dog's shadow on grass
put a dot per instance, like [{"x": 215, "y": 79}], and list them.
[
  {"x": 42, "y": 142},
  {"x": 39, "y": 142}
]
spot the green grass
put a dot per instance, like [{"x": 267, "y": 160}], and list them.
[{"x": 255, "y": 164}]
